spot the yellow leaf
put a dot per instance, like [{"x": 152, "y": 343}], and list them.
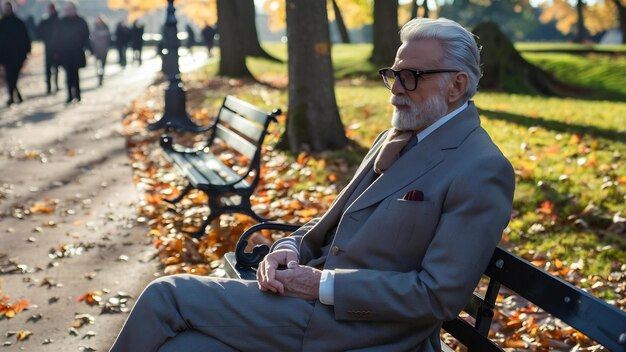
[{"x": 23, "y": 335}]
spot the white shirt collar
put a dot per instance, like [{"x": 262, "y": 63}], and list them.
[{"x": 430, "y": 129}]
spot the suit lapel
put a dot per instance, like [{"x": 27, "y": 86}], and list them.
[{"x": 419, "y": 160}]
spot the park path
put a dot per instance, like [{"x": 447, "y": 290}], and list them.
[{"x": 68, "y": 221}]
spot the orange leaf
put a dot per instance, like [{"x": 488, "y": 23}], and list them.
[
  {"x": 23, "y": 335},
  {"x": 546, "y": 208}
]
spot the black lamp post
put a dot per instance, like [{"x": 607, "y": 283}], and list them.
[{"x": 175, "y": 115}]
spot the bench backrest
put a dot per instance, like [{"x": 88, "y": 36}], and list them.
[
  {"x": 590, "y": 315},
  {"x": 243, "y": 127}
]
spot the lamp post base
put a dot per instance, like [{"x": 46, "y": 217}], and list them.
[{"x": 175, "y": 116}]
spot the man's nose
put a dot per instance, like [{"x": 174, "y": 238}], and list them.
[{"x": 397, "y": 88}]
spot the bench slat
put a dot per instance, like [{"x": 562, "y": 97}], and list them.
[
  {"x": 246, "y": 109},
  {"x": 193, "y": 176},
  {"x": 209, "y": 163},
  {"x": 242, "y": 125},
  {"x": 236, "y": 142},
  {"x": 595, "y": 318},
  {"x": 469, "y": 336}
]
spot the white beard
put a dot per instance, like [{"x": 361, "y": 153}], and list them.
[{"x": 417, "y": 118}]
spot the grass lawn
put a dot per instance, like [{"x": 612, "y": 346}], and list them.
[{"x": 568, "y": 154}]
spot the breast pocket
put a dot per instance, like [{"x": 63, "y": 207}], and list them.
[{"x": 411, "y": 224}]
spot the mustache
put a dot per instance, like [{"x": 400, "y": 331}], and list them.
[{"x": 400, "y": 100}]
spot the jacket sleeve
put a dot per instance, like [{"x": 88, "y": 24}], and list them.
[{"x": 470, "y": 226}]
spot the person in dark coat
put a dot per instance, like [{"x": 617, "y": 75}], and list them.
[
  {"x": 14, "y": 46},
  {"x": 100, "y": 44},
  {"x": 74, "y": 34},
  {"x": 136, "y": 41},
  {"x": 208, "y": 35},
  {"x": 191, "y": 38},
  {"x": 122, "y": 39},
  {"x": 48, "y": 29}
]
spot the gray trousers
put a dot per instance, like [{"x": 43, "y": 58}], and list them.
[{"x": 196, "y": 313}]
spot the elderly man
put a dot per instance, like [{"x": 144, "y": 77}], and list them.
[{"x": 398, "y": 252}]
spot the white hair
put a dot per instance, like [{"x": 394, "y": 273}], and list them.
[{"x": 460, "y": 48}]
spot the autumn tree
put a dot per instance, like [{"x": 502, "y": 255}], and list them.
[
  {"x": 505, "y": 69},
  {"x": 415, "y": 7},
  {"x": 232, "y": 50},
  {"x": 386, "y": 36},
  {"x": 248, "y": 33},
  {"x": 313, "y": 121},
  {"x": 341, "y": 26},
  {"x": 594, "y": 18},
  {"x": 621, "y": 13}
]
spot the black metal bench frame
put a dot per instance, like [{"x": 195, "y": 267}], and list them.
[
  {"x": 242, "y": 127},
  {"x": 600, "y": 321}
]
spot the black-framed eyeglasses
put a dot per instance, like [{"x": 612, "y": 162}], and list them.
[{"x": 408, "y": 77}]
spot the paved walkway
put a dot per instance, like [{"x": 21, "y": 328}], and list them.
[{"x": 68, "y": 223}]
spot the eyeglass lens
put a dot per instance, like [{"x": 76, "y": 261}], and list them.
[{"x": 407, "y": 79}]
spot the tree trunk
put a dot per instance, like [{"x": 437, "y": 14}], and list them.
[
  {"x": 414, "y": 7},
  {"x": 504, "y": 69},
  {"x": 313, "y": 122},
  {"x": 341, "y": 26},
  {"x": 621, "y": 12},
  {"x": 580, "y": 24},
  {"x": 386, "y": 38},
  {"x": 232, "y": 54},
  {"x": 426, "y": 8},
  {"x": 249, "y": 35}
]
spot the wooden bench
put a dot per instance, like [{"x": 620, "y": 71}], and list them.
[
  {"x": 242, "y": 127},
  {"x": 600, "y": 321}
]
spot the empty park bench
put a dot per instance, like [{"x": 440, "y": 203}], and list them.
[
  {"x": 241, "y": 127},
  {"x": 600, "y": 321}
]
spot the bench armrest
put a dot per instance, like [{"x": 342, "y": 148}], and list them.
[{"x": 251, "y": 260}]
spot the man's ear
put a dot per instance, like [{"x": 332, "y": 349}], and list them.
[{"x": 458, "y": 87}]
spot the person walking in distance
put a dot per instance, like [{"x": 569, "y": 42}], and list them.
[
  {"x": 100, "y": 44},
  {"x": 48, "y": 33},
  {"x": 208, "y": 35},
  {"x": 136, "y": 41},
  {"x": 74, "y": 34},
  {"x": 122, "y": 38},
  {"x": 14, "y": 48},
  {"x": 191, "y": 38}
]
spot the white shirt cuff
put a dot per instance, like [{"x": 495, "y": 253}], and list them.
[{"x": 327, "y": 287}]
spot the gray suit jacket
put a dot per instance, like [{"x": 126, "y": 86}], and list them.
[{"x": 403, "y": 267}]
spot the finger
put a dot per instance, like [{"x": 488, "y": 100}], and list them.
[
  {"x": 291, "y": 257},
  {"x": 292, "y": 264}
]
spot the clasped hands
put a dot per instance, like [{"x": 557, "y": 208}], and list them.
[{"x": 295, "y": 280}]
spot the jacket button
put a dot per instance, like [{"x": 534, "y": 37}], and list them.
[{"x": 335, "y": 250}]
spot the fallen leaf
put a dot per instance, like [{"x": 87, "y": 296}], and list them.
[{"x": 23, "y": 335}]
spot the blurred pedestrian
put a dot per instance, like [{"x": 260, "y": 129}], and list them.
[
  {"x": 100, "y": 44},
  {"x": 136, "y": 41},
  {"x": 191, "y": 38},
  {"x": 122, "y": 38},
  {"x": 48, "y": 32},
  {"x": 74, "y": 33},
  {"x": 208, "y": 35},
  {"x": 14, "y": 48}
]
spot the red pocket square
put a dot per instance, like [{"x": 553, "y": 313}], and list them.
[{"x": 414, "y": 195}]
